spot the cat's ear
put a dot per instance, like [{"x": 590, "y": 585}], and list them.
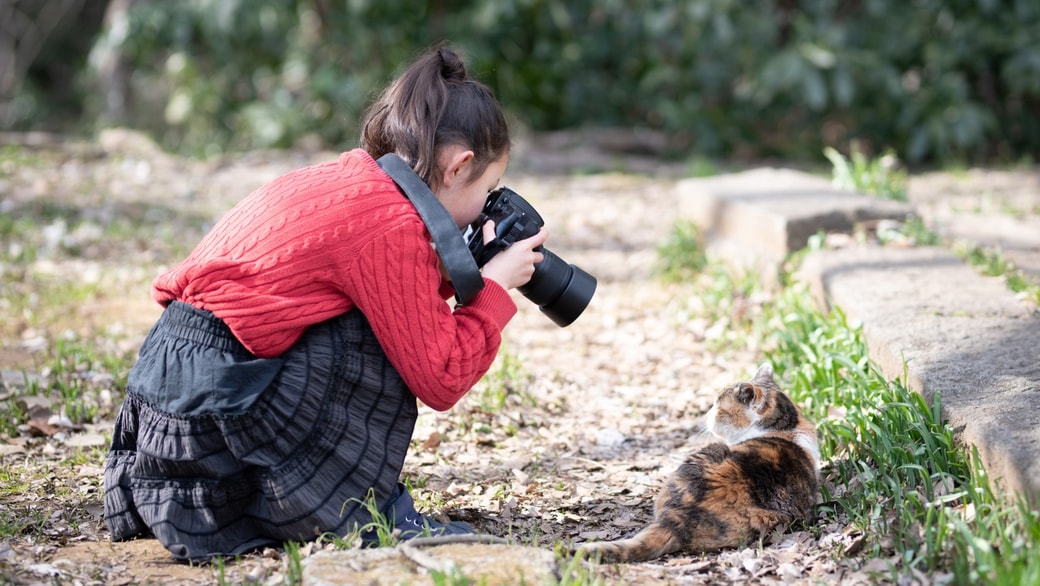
[
  {"x": 764, "y": 376},
  {"x": 747, "y": 394}
]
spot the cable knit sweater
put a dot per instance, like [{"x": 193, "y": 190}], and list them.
[{"x": 322, "y": 240}]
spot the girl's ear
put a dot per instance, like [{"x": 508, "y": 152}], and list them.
[{"x": 455, "y": 161}]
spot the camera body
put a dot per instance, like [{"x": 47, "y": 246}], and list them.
[{"x": 562, "y": 291}]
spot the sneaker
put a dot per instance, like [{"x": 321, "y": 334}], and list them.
[{"x": 402, "y": 515}]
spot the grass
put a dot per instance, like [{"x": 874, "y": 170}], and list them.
[
  {"x": 41, "y": 494},
  {"x": 882, "y": 177},
  {"x": 19, "y": 521},
  {"x": 682, "y": 255},
  {"x": 908, "y": 484},
  {"x": 506, "y": 382},
  {"x": 76, "y": 380},
  {"x": 990, "y": 261},
  {"x": 894, "y": 469}
]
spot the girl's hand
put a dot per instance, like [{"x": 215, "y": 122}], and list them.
[{"x": 513, "y": 266}]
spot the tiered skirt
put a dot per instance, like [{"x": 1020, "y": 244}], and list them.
[{"x": 218, "y": 452}]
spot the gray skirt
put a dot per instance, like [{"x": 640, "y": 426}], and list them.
[{"x": 218, "y": 452}]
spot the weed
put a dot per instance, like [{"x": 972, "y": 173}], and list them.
[
  {"x": 682, "y": 255},
  {"x": 220, "y": 569},
  {"x": 16, "y": 521},
  {"x": 14, "y": 157},
  {"x": 11, "y": 482},
  {"x": 505, "y": 381},
  {"x": 14, "y": 414},
  {"x": 451, "y": 577},
  {"x": 992, "y": 262},
  {"x": 726, "y": 301},
  {"x": 381, "y": 526},
  {"x": 701, "y": 167},
  {"x": 881, "y": 177},
  {"x": 83, "y": 380},
  {"x": 87, "y": 457},
  {"x": 293, "y": 563},
  {"x": 915, "y": 228},
  {"x": 575, "y": 570}
]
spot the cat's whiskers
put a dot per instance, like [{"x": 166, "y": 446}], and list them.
[{"x": 701, "y": 435}]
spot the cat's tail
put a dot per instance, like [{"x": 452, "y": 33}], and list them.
[{"x": 650, "y": 543}]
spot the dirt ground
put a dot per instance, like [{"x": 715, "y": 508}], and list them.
[{"x": 595, "y": 415}]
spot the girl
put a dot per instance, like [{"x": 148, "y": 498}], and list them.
[{"x": 278, "y": 389}]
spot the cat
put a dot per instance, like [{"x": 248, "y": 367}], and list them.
[{"x": 765, "y": 476}]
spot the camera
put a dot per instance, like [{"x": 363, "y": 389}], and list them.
[{"x": 562, "y": 291}]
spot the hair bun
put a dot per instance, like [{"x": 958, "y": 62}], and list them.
[{"x": 452, "y": 68}]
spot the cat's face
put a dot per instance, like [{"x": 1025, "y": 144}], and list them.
[{"x": 741, "y": 411}]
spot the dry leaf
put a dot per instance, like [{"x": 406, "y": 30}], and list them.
[
  {"x": 432, "y": 442},
  {"x": 40, "y": 427}
]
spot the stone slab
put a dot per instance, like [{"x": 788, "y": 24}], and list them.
[
  {"x": 1017, "y": 237},
  {"x": 936, "y": 323},
  {"x": 755, "y": 218},
  {"x": 993, "y": 208},
  {"x": 433, "y": 563}
]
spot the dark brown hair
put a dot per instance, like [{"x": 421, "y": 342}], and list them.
[{"x": 432, "y": 104}]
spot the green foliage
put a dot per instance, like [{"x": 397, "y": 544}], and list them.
[
  {"x": 682, "y": 255},
  {"x": 451, "y": 577},
  {"x": 881, "y": 177},
  {"x": 993, "y": 263},
  {"x": 293, "y": 563},
  {"x": 20, "y": 521},
  {"x": 505, "y": 379},
  {"x": 915, "y": 229},
  {"x": 80, "y": 377},
  {"x": 576, "y": 569},
  {"x": 897, "y": 471},
  {"x": 244, "y": 75},
  {"x": 381, "y": 527},
  {"x": 938, "y": 81},
  {"x": 78, "y": 380}
]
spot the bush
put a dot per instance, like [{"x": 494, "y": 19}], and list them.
[{"x": 937, "y": 81}]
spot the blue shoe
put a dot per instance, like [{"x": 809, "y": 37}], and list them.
[{"x": 403, "y": 518}]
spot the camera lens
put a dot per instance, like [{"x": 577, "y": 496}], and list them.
[{"x": 562, "y": 291}]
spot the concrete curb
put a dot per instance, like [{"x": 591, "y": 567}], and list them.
[
  {"x": 928, "y": 318},
  {"x": 935, "y": 323},
  {"x": 755, "y": 218}
]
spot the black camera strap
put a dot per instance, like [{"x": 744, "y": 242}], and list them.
[{"x": 447, "y": 238}]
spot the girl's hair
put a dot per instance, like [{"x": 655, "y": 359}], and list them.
[{"x": 432, "y": 104}]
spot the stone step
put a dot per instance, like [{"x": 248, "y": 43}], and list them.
[
  {"x": 754, "y": 219},
  {"x": 926, "y": 315}
]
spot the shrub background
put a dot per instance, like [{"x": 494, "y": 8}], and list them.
[{"x": 948, "y": 82}]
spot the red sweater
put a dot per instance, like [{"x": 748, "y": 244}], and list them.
[{"x": 322, "y": 240}]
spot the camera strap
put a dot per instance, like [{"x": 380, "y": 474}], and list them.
[{"x": 447, "y": 238}]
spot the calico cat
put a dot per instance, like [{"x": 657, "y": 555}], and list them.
[{"x": 765, "y": 476}]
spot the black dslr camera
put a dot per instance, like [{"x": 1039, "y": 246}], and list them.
[{"x": 560, "y": 290}]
